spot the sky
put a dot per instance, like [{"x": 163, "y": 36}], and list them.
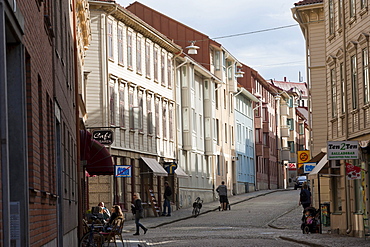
[{"x": 275, "y": 54}]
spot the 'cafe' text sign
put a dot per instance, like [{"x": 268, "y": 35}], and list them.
[{"x": 344, "y": 150}]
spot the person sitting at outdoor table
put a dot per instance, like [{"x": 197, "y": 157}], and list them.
[
  {"x": 103, "y": 210},
  {"x": 117, "y": 212}
]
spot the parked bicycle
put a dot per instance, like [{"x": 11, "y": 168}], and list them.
[
  {"x": 197, "y": 205},
  {"x": 92, "y": 238}
]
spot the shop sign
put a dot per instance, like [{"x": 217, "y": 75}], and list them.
[
  {"x": 292, "y": 166},
  {"x": 344, "y": 150},
  {"x": 103, "y": 136}
]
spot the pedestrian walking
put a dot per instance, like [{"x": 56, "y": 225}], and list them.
[
  {"x": 137, "y": 210},
  {"x": 305, "y": 197},
  {"x": 167, "y": 199},
  {"x": 222, "y": 192}
]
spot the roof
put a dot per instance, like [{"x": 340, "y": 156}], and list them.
[
  {"x": 308, "y": 2},
  {"x": 290, "y": 86}
]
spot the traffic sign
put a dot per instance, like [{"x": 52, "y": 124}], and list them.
[{"x": 303, "y": 156}]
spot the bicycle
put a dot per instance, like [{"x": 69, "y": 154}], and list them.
[
  {"x": 92, "y": 238},
  {"x": 197, "y": 205}
]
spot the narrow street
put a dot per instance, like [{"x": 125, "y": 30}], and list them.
[{"x": 246, "y": 224}]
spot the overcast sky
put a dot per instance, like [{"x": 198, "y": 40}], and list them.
[{"x": 274, "y": 54}]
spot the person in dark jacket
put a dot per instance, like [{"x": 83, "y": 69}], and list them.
[
  {"x": 167, "y": 199},
  {"x": 222, "y": 192},
  {"x": 137, "y": 210},
  {"x": 305, "y": 197}
]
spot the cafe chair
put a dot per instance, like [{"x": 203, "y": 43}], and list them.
[{"x": 115, "y": 231}]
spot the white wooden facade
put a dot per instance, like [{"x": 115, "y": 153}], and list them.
[{"x": 130, "y": 90}]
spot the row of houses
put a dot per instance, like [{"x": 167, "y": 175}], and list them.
[
  {"x": 80, "y": 71},
  {"x": 337, "y": 45}
]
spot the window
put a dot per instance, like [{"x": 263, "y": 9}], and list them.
[
  {"x": 147, "y": 59},
  {"x": 301, "y": 129},
  {"x": 110, "y": 40},
  {"x": 333, "y": 93},
  {"x": 164, "y": 120},
  {"x": 217, "y": 60},
  {"x": 122, "y": 106},
  {"x": 140, "y": 111},
  {"x": 352, "y": 8},
  {"x": 239, "y": 132},
  {"x": 365, "y": 72},
  {"x": 150, "y": 114},
  {"x": 170, "y": 117},
  {"x": 157, "y": 117},
  {"x": 290, "y": 123},
  {"x": 291, "y": 146},
  {"x": 359, "y": 196},
  {"x": 363, "y": 4},
  {"x": 163, "y": 77},
  {"x": 131, "y": 104},
  {"x": 169, "y": 72},
  {"x": 340, "y": 10},
  {"x": 129, "y": 49},
  {"x": 354, "y": 81},
  {"x": 138, "y": 54},
  {"x": 342, "y": 88},
  {"x": 155, "y": 64},
  {"x": 336, "y": 192},
  {"x": 120, "y": 45},
  {"x": 112, "y": 98},
  {"x": 225, "y": 132},
  {"x": 331, "y": 17}
]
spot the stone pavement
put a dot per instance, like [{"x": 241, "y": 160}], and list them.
[{"x": 287, "y": 221}]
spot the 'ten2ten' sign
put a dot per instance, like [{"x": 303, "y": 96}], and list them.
[{"x": 103, "y": 136}]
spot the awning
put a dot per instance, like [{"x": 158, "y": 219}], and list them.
[
  {"x": 156, "y": 168},
  {"x": 180, "y": 173},
  {"x": 98, "y": 159},
  {"x": 320, "y": 165}
]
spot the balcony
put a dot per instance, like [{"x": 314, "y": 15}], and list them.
[
  {"x": 285, "y": 131},
  {"x": 285, "y": 154},
  {"x": 284, "y": 110},
  {"x": 259, "y": 149},
  {"x": 258, "y": 122}
]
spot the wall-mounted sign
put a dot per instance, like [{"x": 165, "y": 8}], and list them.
[
  {"x": 122, "y": 171},
  {"x": 292, "y": 166},
  {"x": 103, "y": 136},
  {"x": 345, "y": 150},
  {"x": 308, "y": 167}
]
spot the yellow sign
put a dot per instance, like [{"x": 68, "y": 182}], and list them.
[{"x": 303, "y": 156}]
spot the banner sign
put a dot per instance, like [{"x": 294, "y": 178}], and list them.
[
  {"x": 122, "y": 171},
  {"x": 345, "y": 150},
  {"x": 353, "y": 172},
  {"x": 308, "y": 167}
]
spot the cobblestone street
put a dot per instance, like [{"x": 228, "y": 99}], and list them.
[{"x": 277, "y": 224}]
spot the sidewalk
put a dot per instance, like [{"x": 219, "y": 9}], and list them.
[{"x": 286, "y": 221}]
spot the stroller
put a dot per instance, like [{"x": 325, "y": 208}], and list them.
[
  {"x": 310, "y": 220},
  {"x": 228, "y": 207}
]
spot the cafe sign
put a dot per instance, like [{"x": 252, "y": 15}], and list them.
[
  {"x": 103, "y": 136},
  {"x": 344, "y": 150}
]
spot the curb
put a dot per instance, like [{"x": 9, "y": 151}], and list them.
[{"x": 301, "y": 242}]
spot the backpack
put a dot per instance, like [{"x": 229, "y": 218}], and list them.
[{"x": 303, "y": 196}]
